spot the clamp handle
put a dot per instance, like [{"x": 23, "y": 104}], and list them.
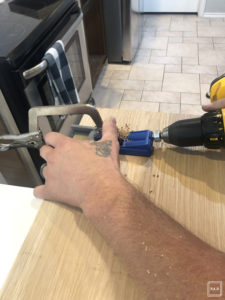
[{"x": 72, "y": 109}]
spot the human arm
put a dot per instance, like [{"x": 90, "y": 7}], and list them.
[{"x": 163, "y": 257}]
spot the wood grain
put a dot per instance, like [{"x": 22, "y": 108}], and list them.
[{"x": 64, "y": 257}]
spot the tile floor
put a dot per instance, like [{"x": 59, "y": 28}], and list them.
[{"x": 178, "y": 58}]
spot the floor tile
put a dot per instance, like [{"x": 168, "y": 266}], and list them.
[
  {"x": 179, "y": 57},
  {"x": 221, "y": 69},
  {"x": 211, "y": 31},
  {"x": 173, "y": 68},
  {"x": 178, "y": 39},
  {"x": 191, "y": 109},
  {"x": 169, "y": 108},
  {"x": 200, "y": 40},
  {"x": 102, "y": 82},
  {"x": 207, "y": 78},
  {"x": 157, "y": 96},
  {"x": 180, "y": 82},
  {"x": 219, "y": 40},
  {"x": 153, "y": 85},
  {"x": 113, "y": 67},
  {"x": 142, "y": 57},
  {"x": 184, "y": 25},
  {"x": 190, "y": 98},
  {"x": 179, "y": 49},
  {"x": 106, "y": 97},
  {"x": 147, "y": 72},
  {"x": 120, "y": 74},
  {"x": 190, "y": 34},
  {"x": 219, "y": 46},
  {"x": 190, "y": 60},
  {"x": 156, "y": 52},
  {"x": 177, "y": 18},
  {"x": 169, "y": 34},
  {"x": 132, "y": 95},
  {"x": 139, "y": 59},
  {"x": 154, "y": 43},
  {"x": 199, "y": 69},
  {"x": 165, "y": 60},
  {"x": 143, "y": 106},
  {"x": 160, "y": 22},
  {"x": 106, "y": 73},
  {"x": 217, "y": 22},
  {"x": 151, "y": 31},
  {"x": 206, "y": 46},
  {"x": 204, "y": 90},
  {"x": 126, "y": 84},
  {"x": 211, "y": 57},
  {"x": 144, "y": 52}
]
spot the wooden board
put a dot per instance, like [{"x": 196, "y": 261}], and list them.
[{"x": 64, "y": 257}]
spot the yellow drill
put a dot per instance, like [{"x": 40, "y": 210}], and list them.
[{"x": 207, "y": 130}]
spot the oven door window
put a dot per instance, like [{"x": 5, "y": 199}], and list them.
[{"x": 75, "y": 59}]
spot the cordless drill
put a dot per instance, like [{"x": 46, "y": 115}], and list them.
[{"x": 207, "y": 130}]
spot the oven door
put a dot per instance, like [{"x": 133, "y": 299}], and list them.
[
  {"x": 20, "y": 166},
  {"x": 38, "y": 92}
]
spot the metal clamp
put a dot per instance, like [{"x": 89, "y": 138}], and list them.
[
  {"x": 36, "y": 70},
  {"x": 72, "y": 109}
]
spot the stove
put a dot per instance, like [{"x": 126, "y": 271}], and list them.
[
  {"x": 23, "y": 24},
  {"x": 28, "y": 28}
]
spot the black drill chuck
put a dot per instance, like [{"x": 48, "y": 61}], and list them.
[{"x": 207, "y": 130}]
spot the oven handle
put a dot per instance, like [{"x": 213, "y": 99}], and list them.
[
  {"x": 42, "y": 66},
  {"x": 30, "y": 73}
]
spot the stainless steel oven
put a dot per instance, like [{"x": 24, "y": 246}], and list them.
[{"x": 23, "y": 80}]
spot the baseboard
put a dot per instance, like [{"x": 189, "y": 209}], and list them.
[{"x": 214, "y": 15}]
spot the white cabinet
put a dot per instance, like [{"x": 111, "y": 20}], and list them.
[{"x": 170, "y": 5}]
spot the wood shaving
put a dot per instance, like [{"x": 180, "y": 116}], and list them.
[{"x": 124, "y": 131}]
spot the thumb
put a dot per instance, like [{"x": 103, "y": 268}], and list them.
[
  {"x": 40, "y": 192},
  {"x": 215, "y": 105},
  {"x": 109, "y": 129}
]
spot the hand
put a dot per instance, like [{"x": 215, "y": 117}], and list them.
[
  {"x": 214, "y": 106},
  {"x": 76, "y": 170}
]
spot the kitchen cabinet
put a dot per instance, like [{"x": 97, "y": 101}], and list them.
[
  {"x": 170, "y": 6},
  {"x": 64, "y": 257}
]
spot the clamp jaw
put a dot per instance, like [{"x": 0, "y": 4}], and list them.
[{"x": 34, "y": 139}]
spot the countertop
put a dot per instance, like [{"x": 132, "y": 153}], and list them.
[
  {"x": 18, "y": 209},
  {"x": 64, "y": 257}
]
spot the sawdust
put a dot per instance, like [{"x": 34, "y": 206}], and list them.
[{"x": 124, "y": 131}]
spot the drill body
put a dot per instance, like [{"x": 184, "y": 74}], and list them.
[{"x": 207, "y": 130}]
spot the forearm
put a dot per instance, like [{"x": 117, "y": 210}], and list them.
[{"x": 161, "y": 255}]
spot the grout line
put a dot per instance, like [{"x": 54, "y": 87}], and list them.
[
  {"x": 142, "y": 91},
  {"x": 198, "y": 53},
  {"x": 163, "y": 78}
]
